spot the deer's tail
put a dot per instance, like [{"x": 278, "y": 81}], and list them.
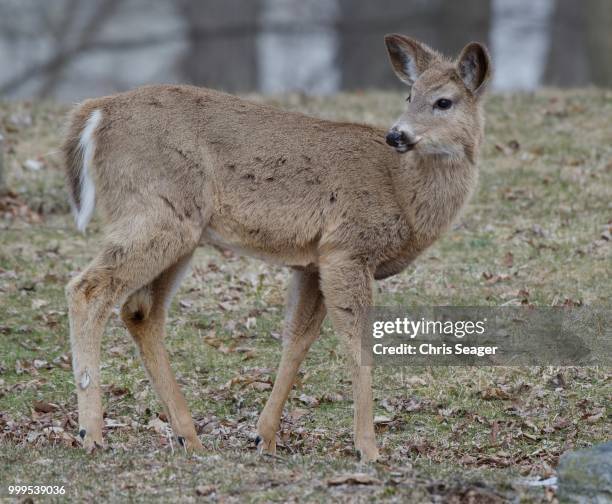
[{"x": 79, "y": 150}]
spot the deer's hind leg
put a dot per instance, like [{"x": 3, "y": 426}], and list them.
[
  {"x": 144, "y": 314},
  {"x": 135, "y": 252}
]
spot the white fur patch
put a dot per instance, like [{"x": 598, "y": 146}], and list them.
[
  {"x": 451, "y": 152},
  {"x": 410, "y": 68},
  {"x": 87, "y": 144},
  {"x": 176, "y": 281},
  {"x": 84, "y": 380}
]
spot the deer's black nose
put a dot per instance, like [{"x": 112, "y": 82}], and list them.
[{"x": 395, "y": 138}]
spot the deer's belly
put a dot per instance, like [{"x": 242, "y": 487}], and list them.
[{"x": 290, "y": 257}]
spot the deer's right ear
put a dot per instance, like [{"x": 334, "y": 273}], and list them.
[{"x": 409, "y": 57}]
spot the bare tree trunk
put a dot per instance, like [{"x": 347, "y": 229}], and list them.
[
  {"x": 292, "y": 31},
  {"x": 567, "y": 62},
  {"x": 461, "y": 22},
  {"x": 222, "y": 43},
  {"x": 3, "y": 184},
  {"x": 581, "y": 44},
  {"x": 362, "y": 52},
  {"x": 55, "y": 65},
  {"x": 60, "y": 34},
  {"x": 446, "y": 26},
  {"x": 599, "y": 41}
]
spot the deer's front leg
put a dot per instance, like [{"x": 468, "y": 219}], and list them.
[
  {"x": 346, "y": 283},
  {"x": 304, "y": 315}
]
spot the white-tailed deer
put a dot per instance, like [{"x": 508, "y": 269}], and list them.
[{"x": 174, "y": 167}]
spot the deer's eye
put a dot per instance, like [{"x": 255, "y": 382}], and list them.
[{"x": 443, "y": 104}]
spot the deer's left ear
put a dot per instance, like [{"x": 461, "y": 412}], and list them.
[{"x": 474, "y": 67}]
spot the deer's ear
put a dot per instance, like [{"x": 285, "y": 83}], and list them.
[
  {"x": 409, "y": 58},
  {"x": 474, "y": 67}
]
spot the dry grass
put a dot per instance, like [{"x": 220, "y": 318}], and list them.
[{"x": 544, "y": 200}]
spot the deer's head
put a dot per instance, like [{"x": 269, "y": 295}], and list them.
[{"x": 443, "y": 113}]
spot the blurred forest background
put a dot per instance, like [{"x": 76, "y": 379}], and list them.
[{"x": 72, "y": 49}]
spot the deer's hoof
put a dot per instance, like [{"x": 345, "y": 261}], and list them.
[
  {"x": 92, "y": 444},
  {"x": 265, "y": 447},
  {"x": 368, "y": 453},
  {"x": 191, "y": 444}
]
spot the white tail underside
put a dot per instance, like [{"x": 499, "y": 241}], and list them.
[{"x": 87, "y": 145}]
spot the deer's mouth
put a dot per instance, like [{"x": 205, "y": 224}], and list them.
[
  {"x": 404, "y": 147},
  {"x": 407, "y": 147}
]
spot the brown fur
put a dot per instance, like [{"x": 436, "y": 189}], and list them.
[{"x": 180, "y": 166}]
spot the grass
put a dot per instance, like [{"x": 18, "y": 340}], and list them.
[{"x": 537, "y": 231}]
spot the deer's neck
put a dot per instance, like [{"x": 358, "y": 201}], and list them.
[{"x": 431, "y": 191}]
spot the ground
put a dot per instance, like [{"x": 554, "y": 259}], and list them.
[{"x": 536, "y": 232}]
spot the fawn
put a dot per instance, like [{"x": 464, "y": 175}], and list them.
[{"x": 174, "y": 167}]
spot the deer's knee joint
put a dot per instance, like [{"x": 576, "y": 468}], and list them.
[
  {"x": 69, "y": 290},
  {"x": 78, "y": 289},
  {"x": 346, "y": 309},
  {"x": 92, "y": 285}
]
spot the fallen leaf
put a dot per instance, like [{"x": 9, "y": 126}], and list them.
[
  {"x": 205, "y": 489},
  {"x": 331, "y": 397},
  {"x": 514, "y": 145},
  {"x": 382, "y": 420},
  {"x": 561, "y": 423},
  {"x": 159, "y": 426},
  {"x": 354, "y": 479},
  {"x": 493, "y": 460},
  {"x": 494, "y": 393},
  {"x": 309, "y": 400},
  {"x": 39, "y": 363},
  {"x": 595, "y": 418},
  {"x": 296, "y": 414},
  {"x": 33, "y": 165},
  {"x": 117, "y": 390},
  {"x": 494, "y": 432},
  {"x": 557, "y": 381},
  {"x": 114, "y": 424},
  {"x": 45, "y": 407},
  {"x": 39, "y": 303},
  {"x": 508, "y": 260},
  {"x": 530, "y": 436},
  {"x": 467, "y": 460},
  {"x": 261, "y": 386},
  {"x": 414, "y": 380},
  {"x": 116, "y": 351}
]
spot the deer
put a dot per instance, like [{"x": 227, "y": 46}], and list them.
[{"x": 170, "y": 168}]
